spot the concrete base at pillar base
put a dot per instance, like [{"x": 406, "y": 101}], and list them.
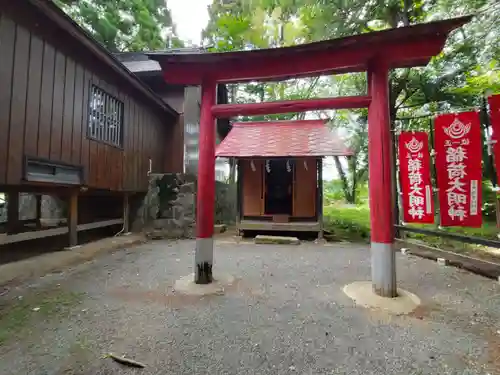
[
  {"x": 186, "y": 285},
  {"x": 361, "y": 292}
]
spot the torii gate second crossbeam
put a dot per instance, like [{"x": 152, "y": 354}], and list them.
[{"x": 376, "y": 53}]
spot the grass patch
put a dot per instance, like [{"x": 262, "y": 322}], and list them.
[
  {"x": 16, "y": 316},
  {"x": 348, "y": 223},
  {"x": 352, "y": 223}
]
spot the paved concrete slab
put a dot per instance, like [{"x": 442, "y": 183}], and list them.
[{"x": 285, "y": 314}]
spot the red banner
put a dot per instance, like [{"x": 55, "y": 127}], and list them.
[
  {"x": 494, "y": 102},
  {"x": 415, "y": 177},
  {"x": 459, "y": 171}
]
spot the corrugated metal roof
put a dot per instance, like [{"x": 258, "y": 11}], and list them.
[
  {"x": 142, "y": 66},
  {"x": 281, "y": 138}
]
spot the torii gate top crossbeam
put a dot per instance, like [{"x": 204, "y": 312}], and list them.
[{"x": 396, "y": 48}]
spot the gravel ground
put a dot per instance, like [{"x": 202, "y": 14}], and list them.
[{"x": 287, "y": 314}]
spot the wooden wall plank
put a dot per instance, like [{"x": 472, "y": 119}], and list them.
[
  {"x": 135, "y": 147},
  {"x": 93, "y": 156},
  {"x": 122, "y": 155},
  {"x": 129, "y": 134},
  {"x": 304, "y": 189},
  {"x": 45, "y": 120},
  {"x": 142, "y": 150},
  {"x": 18, "y": 106},
  {"x": 67, "y": 124},
  {"x": 34, "y": 97},
  {"x": 99, "y": 165},
  {"x": 78, "y": 104},
  {"x": 126, "y": 122},
  {"x": 146, "y": 150},
  {"x": 52, "y": 121},
  {"x": 154, "y": 141},
  {"x": 157, "y": 160},
  {"x": 164, "y": 151},
  {"x": 138, "y": 148},
  {"x": 7, "y": 44},
  {"x": 85, "y": 146},
  {"x": 57, "y": 107},
  {"x": 93, "y": 163},
  {"x": 253, "y": 197}
]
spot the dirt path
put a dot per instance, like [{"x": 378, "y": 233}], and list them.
[{"x": 286, "y": 315}]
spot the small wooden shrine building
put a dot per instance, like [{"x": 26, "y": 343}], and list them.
[
  {"x": 280, "y": 173},
  {"x": 375, "y": 53}
]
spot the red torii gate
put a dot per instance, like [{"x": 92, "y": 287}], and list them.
[{"x": 376, "y": 53}]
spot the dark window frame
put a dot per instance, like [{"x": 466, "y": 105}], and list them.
[
  {"x": 105, "y": 110},
  {"x": 45, "y": 170}
]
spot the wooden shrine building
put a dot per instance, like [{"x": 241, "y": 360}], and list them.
[
  {"x": 375, "y": 53},
  {"x": 280, "y": 173},
  {"x": 75, "y": 125}
]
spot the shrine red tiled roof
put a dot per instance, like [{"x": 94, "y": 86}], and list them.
[{"x": 281, "y": 138}]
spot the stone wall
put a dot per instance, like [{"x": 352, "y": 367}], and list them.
[
  {"x": 52, "y": 207},
  {"x": 168, "y": 209},
  {"x": 225, "y": 203}
]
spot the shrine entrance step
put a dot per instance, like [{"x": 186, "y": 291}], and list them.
[{"x": 276, "y": 240}]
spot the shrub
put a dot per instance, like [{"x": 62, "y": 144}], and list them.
[{"x": 351, "y": 223}]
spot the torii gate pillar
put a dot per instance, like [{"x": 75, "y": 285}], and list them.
[
  {"x": 380, "y": 156},
  {"x": 205, "y": 198}
]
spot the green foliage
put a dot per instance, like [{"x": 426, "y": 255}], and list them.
[
  {"x": 352, "y": 223},
  {"x": 348, "y": 223},
  {"x": 126, "y": 25},
  {"x": 489, "y": 197},
  {"x": 333, "y": 193}
]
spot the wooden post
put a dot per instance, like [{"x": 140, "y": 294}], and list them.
[
  {"x": 126, "y": 213},
  {"x": 380, "y": 174},
  {"x": 205, "y": 202},
  {"x": 73, "y": 218},
  {"x": 12, "y": 212},
  {"x": 239, "y": 192},
  {"x": 320, "y": 198},
  {"x": 38, "y": 198}
]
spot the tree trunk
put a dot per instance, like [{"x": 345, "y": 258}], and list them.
[
  {"x": 343, "y": 178},
  {"x": 354, "y": 185}
]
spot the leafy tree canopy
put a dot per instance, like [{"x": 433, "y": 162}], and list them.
[
  {"x": 125, "y": 25},
  {"x": 456, "y": 79}
]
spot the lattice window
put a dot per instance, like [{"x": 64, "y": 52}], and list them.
[{"x": 105, "y": 121}]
